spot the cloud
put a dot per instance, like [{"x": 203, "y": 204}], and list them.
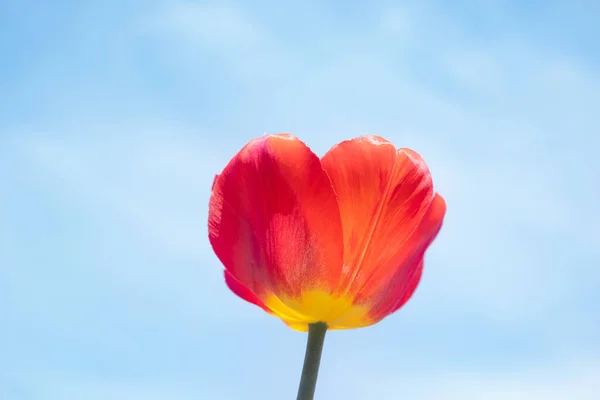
[
  {"x": 53, "y": 385},
  {"x": 397, "y": 22},
  {"x": 574, "y": 379},
  {"x": 218, "y": 27},
  {"x": 157, "y": 184},
  {"x": 208, "y": 35},
  {"x": 152, "y": 190}
]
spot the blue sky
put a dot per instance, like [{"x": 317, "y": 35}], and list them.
[{"x": 115, "y": 116}]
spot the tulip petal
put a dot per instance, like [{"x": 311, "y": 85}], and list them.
[
  {"x": 395, "y": 290},
  {"x": 385, "y": 196},
  {"x": 243, "y": 292},
  {"x": 275, "y": 224},
  {"x": 405, "y": 292}
]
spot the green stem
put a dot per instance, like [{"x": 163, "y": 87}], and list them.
[{"x": 312, "y": 359}]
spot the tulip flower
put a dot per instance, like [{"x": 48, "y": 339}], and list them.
[{"x": 324, "y": 243}]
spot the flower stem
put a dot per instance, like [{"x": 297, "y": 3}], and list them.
[{"x": 312, "y": 359}]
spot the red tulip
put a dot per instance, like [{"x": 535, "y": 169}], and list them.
[{"x": 338, "y": 240}]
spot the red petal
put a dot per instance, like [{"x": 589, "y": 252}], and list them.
[
  {"x": 406, "y": 291},
  {"x": 384, "y": 196},
  {"x": 243, "y": 292},
  {"x": 274, "y": 221}
]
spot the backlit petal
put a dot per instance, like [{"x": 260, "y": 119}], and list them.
[
  {"x": 384, "y": 195},
  {"x": 243, "y": 292},
  {"x": 275, "y": 224},
  {"x": 388, "y": 293}
]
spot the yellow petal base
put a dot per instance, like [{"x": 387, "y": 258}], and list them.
[{"x": 319, "y": 306}]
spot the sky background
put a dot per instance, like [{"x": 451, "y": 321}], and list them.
[{"x": 115, "y": 116}]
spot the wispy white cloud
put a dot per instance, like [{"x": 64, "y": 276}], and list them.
[
  {"x": 219, "y": 27},
  {"x": 397, "y": 22},
  {"x": 578, "y": 380},
  {"x": 54, "y": 385},
  {"x": 559, "y": 379},
  {"x": 224, "y": 34},
  {"x": 159, "y": 184},
  {"x": 155, "y": 186}
]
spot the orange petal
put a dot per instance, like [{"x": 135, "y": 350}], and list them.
[
  {"x": 274, "y": 221},
  {"x": 389, "y": 294},
  {"x": 396, "y": 292},
  {"x": 384, "y": 194}
]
